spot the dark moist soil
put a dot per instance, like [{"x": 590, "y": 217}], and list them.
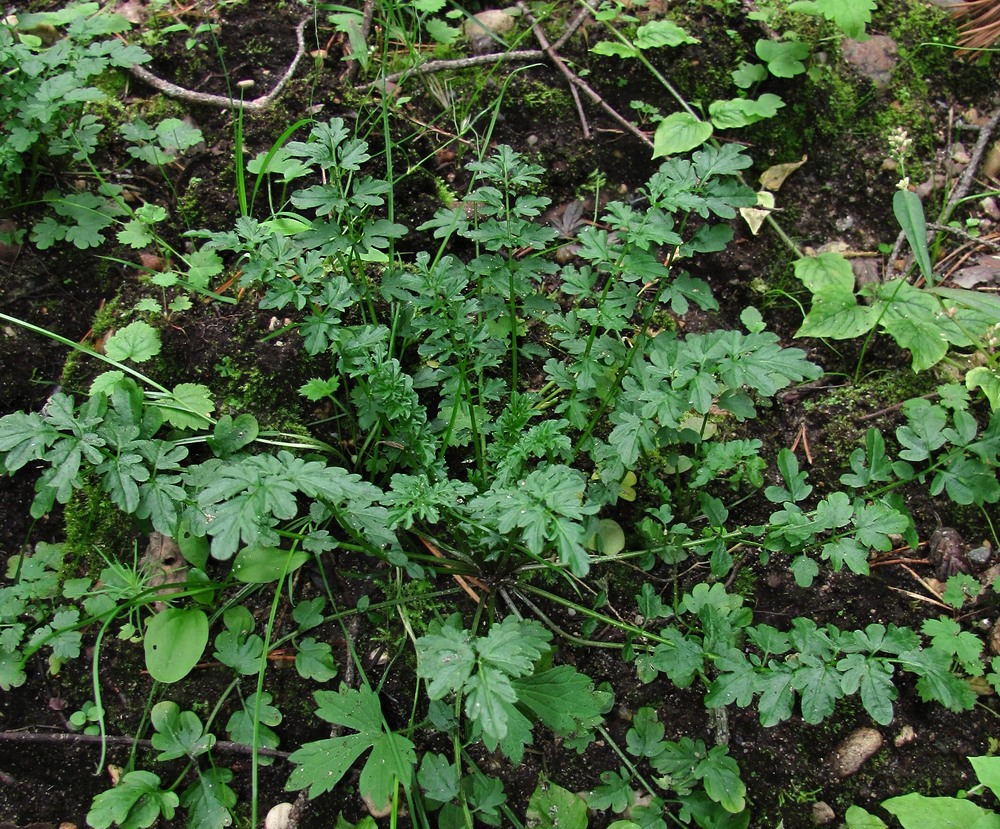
[{"x": 842, "y": 194}]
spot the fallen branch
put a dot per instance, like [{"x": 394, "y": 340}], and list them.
[
  {"x": 224, "y": 746},
  {"x": 208, "y": 99},
  {"x": 461, "y": 63},
  {"x": 560, "y": 65}
]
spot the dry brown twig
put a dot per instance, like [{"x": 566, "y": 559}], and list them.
[
  {"x": 961, "y": 189},
  {"x": 543, "y": 41},
  {"x": 172, "y": 90}
]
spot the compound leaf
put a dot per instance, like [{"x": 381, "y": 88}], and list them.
[
  {"x": 135, "y": 803},
  {"x": 321, "y": 764}
]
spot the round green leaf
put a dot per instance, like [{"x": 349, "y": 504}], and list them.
[
  {"x": 175, "y": 640},
  {"x": 678, "y": 133},
  {"x": 260, "y": 565}
]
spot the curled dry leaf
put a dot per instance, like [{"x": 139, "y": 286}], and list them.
[{"x": 773, "y": 177}]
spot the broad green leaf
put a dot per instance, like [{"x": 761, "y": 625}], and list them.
[
  {"x": 796, "y": 488},
  {"x": 202, "y": 266},
  {"x": 489, "y": 698},
  {"x": 553, "y": 807},
  {"x": 645, "y": 737},
  {"x": 681, "y": 660},
  {"x": 562, "y": 699},
  {"x": 135, "y": 234},
  {"x": 441, "y": 32},
  {"x": 818, "y": 684},
  {"x": 917, "y": 811},
  {"x": 238, "y": 647},
  {"x": 858, "y": 818},
  {"x": 392, "y": 758},
  {"x": 777, "y": 696},
  {"x": 947, "y": 636},
  {"x": 986, "y": 378},
  {"x": 783, "y": 58},
  {"x": 314, "y": 660},
  {"x": 804, "y": 569},
  {"x": 178, "y": 733},
  {"x": 445, "y": 658},
  {"x": 438, "y": 777},
  {"x": 264, "y": 715},
  {"x": 320, "y": 765},
  {"x": 659, "y": 33},
  {"x": 210, "y": 800},
  {"x": 747, "y": 74},
  {"x": 741, "y": 112},
  {"x": 614, "y": 49},
  {"x": 262, "y": 565},
  {"x": 909, "y": 212},
  {"x": 174, "y": 642},
  {"x": 135, "y": 803},
  {"x": 12, "y": 673},
  {"x": 850, "y": 16},
  {"x": 232, "y": 435},
  {"x": 988, "y": 772},
  {"x": 137, "y": 341},
  {"x": 936, "y": 681},
  {"x": 678, "y": 133},
  {"x": 835, "y": 310},
  {"x": 873, "y": 678},
  {"x": 874, "y": 524},
  {"x": 188, "y": 406},
  {"x": 921, "y": 336},
  {"x": 615, "y": 793},
  {"x": 736, "y": 682},
  {"x": 720, "y": 775}
]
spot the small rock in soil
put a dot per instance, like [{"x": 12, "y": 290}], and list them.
[
  {"x": 822, "y": 813},
  {"x": 492, "y": 21},
  {"x": 281, "y": 816},
  {"x": 856, "y": 749},
  {"x": 980, "y": 555},
  {"x": 874, "y": 58},
  {"x": 905, "y": 736}
]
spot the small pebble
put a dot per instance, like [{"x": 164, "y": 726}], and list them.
[
  {"x": 855, "y": 750},
  {"x": 279, "y": 817},
  {"x": 493, "y": 20},
  {"x": 822, "y": 813},
  {"x": 905, "y": 736}
]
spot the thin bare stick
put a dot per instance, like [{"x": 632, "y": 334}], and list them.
[
  {"x": 965, "y": 182},
  {"x": 543, "y": 41},
  {"x": 597, "y": 99},
  {"x": 919, "y": 597},
  {"x": 461, "y": 63},
  {"x": 207, "y": 99},
  {"x": 571, "y": 28},
  {"x": 96, "y": 739}
]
